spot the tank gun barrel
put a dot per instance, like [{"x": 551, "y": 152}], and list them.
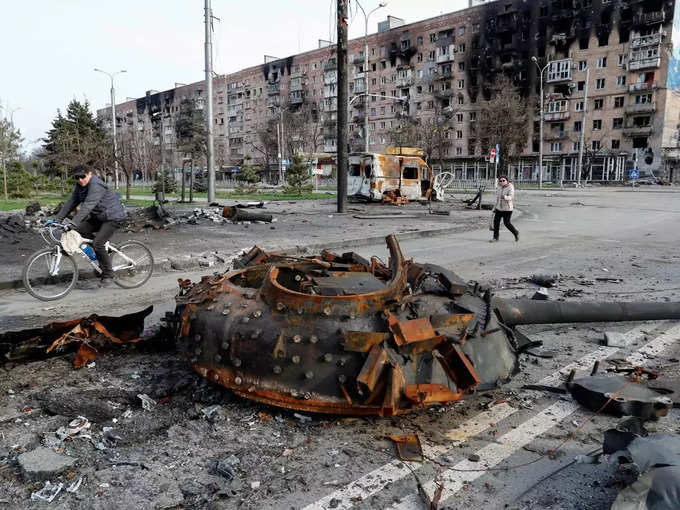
[{"x": 515, "y": 312}]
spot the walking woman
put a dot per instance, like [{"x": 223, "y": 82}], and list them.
[{"x": 504, "y": 208}]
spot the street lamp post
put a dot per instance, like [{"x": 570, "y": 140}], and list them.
[
  {"x": 113, "y": 121},
  {"x": 540, "y": 142},
  {"x": 366, "y": 16}
]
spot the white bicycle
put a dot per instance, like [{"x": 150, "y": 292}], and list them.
[{"x": 51, "y": 273}]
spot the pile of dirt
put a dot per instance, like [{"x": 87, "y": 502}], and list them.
[{"x": 15, "y": 227}]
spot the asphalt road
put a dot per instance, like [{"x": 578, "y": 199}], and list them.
[{"x": 583, "y": 235}]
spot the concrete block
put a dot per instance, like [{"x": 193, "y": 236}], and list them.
[
  {"x": 43, "y": 464},
  {"x": 616, "y": 339},
  {"x": 184, "y": 264}
]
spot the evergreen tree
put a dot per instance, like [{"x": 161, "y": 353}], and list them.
[
  {"x": 249, "y": 178},
  {"x": 77, "y": 138},
  {"x": 190, "y": 130},
  {"x": 170, "y": 182},
  {"x": 19, "y": 181},
  {"x": 297, "y": 176}
]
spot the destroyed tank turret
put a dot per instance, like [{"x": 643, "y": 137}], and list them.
[{"x": 341, "y": 334}]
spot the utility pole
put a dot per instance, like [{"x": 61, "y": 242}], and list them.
[
  {"x": 113, "y": 123},
  {"x": 278, "y": 150},
  {"x": 209, "y": 93},
  {"x": 583, "y": 128},
  {"x": 283, "y": 148},
  {"x": 341, "y": 145}
]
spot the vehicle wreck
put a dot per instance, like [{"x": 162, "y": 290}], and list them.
[
  {"x": 394, "y": 178},
  {"x": 341, "y": 334}
]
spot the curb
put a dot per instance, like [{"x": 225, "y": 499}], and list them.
[{"x": 164, "y": 267}]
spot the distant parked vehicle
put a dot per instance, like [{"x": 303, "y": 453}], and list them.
[{"x": 390, "y": 177}]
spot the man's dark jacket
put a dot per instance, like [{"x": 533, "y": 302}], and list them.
[{"x": 97, "y": 200}]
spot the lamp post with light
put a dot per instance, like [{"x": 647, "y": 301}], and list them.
[
  {"x": 113, "y": 120},
  {"x": 366, "y": 16},
  {"x": 540, "y": 142}
]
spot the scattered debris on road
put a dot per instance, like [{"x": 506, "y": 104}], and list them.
[
  {"x": 236, "y": 214},
  {"x": 408, "y": 447},
  {"x": 649, "y": 464},
  {"x": 90, "y": 334},
  {"x": 618, "y": 395}
]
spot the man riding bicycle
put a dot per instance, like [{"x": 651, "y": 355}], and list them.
[{"x": 101, "y": 212}]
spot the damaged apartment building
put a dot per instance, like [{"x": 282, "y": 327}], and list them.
[{"x": 444, "y": 66}]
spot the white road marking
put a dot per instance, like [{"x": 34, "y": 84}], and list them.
[
  {"x": 375, "y": 481},
  {"x": 494, "y": 453}
]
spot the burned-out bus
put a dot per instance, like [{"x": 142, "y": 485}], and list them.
[{"x": 389, "y": 177}]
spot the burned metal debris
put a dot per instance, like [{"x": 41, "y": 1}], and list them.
[
  {"x": 650, "y": 463},
  {"x": 618, "y": 395},
  {"x": 90, "y": 334},
  {"x": 340, "y": 334}
]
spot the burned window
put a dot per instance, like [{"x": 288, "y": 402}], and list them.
[
  {"x": 640, "y": 142},
  {"x": 410, "y": 172}
]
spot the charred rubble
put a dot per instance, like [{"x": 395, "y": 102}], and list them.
[{"x": 341, "y": 334}]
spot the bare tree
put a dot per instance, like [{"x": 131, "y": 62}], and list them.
[
  {"x": 430, "y": 133},
  {"x": 503, "y": 120},
  {"x": 303, "y": 131},
  {"x": 268, "y": 144}
]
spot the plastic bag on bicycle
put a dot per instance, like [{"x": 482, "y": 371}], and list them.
[{"x": 71, "y": 242}]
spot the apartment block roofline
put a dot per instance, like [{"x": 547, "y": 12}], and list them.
[{"x": 268, "y": 59}]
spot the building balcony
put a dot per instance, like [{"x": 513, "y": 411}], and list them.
[
  {"x": 642, "y": 86},
  {"x": 644, "y": 63},
  {"x": 445, "y": 57},
  {"x": 555, "y": 116},
  {"x": 273, "y": 88},
  {"x": 559, "y": 70},
  {"x": 559, "y": 135},
  {"x": 330, "y": 66},
  {"x": 443, "y": 75},
  {"x": 640, "y": 108},
  {"x": 296, "y": 86},
  {"x": 295, "y": 99},
  {"x": 405, "y": 82},
  {"x": 637, "y": 130},
  {"x": 647, "y": 40},
  {"x": 649, "y": 18}
]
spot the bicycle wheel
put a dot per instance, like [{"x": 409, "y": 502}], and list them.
[
  {"x": 40, "y": 283},
  {"x": 132, "y": 273}
]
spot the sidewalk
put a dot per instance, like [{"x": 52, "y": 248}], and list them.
[{"x": 299, "y": 227}]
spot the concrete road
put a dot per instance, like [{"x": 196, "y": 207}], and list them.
[
  {"x": 488, "y": 451},
  {"x": 566, "y": 232}
]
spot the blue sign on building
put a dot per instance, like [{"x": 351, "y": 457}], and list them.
[{"x": 634, "y": 173}]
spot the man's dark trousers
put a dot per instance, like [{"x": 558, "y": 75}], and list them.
[{"x": 104, "y": 231}]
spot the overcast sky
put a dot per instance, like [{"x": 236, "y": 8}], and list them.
[{"x": 50, "y": 48}]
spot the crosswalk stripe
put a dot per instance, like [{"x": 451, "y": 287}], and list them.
[
  {"x": 376, "y": 480},
  {"x": 492, "y": 454}
]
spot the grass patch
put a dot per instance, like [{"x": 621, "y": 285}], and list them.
[
  {"x": 273, "y": 197},
  {"x": 21, "y": 203}
]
